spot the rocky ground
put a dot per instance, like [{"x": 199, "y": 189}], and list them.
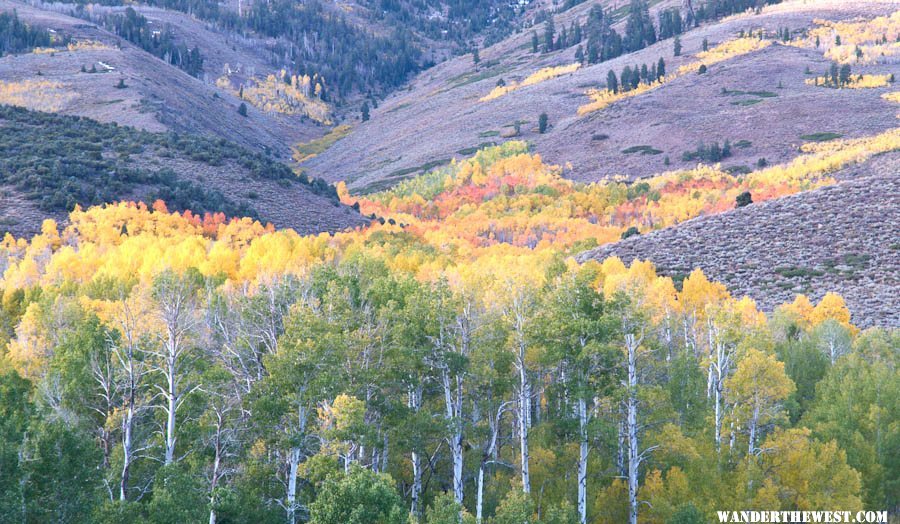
[{"x": 843, "y": 238}]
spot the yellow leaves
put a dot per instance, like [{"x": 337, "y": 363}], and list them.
[
  {"x": 343, "y": 414},
  {"x": 831, "y": 307},
  {"x": 309, "y": 150},
  {"x": 725, "y": 51},
  {"x": 760, "y": 380},
  {"x": 808, "y": 474},
  {"x": 867, "y": 36},
  {"x": 855, "y": 82},
  {"x": 701, "y": 297},
  {"x": 39, "y": 95},
  {"x": 892, "y": 97},
  {"x": 541, "y": 75},
  {"x": 29, "y": 350},
  {"x": 800, "y": 309},
  {"x": 602, "y": 98},
  {"x": 284, "y": 94},
  {"x": 81, "y": 45}
]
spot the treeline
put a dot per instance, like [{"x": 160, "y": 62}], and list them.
[
  {"x": 347, "y": 56},
  {"x": 597, "y": 41},
  {"x": 18, "y": 37},
  {"x": 158, "y": 41},
  {"x": 354, "y": 393},
  {"x": 633, "y": 76},
  {"x": 465, "y": 20},
  {"x": 61, "y": 161}
]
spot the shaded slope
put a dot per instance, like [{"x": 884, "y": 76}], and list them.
[
  {"x": 842, "y": 238},
  {"x": 49, "y": 163},
  {"x": 159, "y": 96}
]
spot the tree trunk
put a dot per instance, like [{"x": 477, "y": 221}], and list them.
[
  {"x": 172, "y": 403},
  {"x": 414, "y": 402},
  {"x": 524, "y": 408},
  {"x": 127, "y": 446},
  {"x": 582, "y": 460},
  {"x": 291, "y": 505},
  {"x": 632, "y": 429}
]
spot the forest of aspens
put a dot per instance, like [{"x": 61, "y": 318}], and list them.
[{"x": 452, "y": 362}]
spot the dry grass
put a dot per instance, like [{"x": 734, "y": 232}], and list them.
[
  {"x": 856, "y": 81},
  {"x": 601, "y": 98},
  {"x": 725, "y": 51},
  {"x": 866, "y": 36},
  {"x": 40, "y": 95},
  {"x": 81, "y": 45},
  {"x": 542, "y": 75},
  {"x": 309, "y": 150}
]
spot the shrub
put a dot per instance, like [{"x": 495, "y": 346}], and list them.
[
  {"x": 744, "y": 199},
  {"x": 630, "y": 232}
]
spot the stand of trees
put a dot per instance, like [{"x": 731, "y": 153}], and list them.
[
  {"x": 18, "y": 37},
  {"x": 155, "y": 369},
  {"x": 159, "y": 42}
]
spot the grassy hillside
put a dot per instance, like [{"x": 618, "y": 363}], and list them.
[
  {"x": 159, "y": 96},
  {"x": 50, "y": 163},
  {"x": 759, "y": 99}
]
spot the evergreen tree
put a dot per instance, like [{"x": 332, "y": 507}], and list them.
[
  {"x": 677, "y": 46},
  {"x": 364, "y": 111},
  {"x": 542, "y": 123},
  {"x": 534, "y": 42},
  {"x": 612, "y": 82},
  {"x": 549, "y": 35},
  {"x": 660, "y": 69},
  {"x": 242, "y": 109}
]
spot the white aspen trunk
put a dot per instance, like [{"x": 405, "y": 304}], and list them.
[
  {"x": 294, "y": 457},
  {"x": 414, "y": 401},
  {"x": 524, "y": 407},
  {"x": 127, "y": 446},
  {"x": 172, "y": 402},
  {"x": 754, "y": 423},
  {"x": 717, "y": 388},
  {"x": 632, "y": 429},
  {"x": 453, "y": 412},
  {"x": 479, "y": 500},
  {"x": 291, "y": 505},
  {"x": 582, "y": 460}
]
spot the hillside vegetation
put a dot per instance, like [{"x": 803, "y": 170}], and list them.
[
  {"x": 583, "y": 262},
  {"x": 56, "y": 162},
  {"x": 357, "y": 362},
  {"x": 754, "y": 91}
]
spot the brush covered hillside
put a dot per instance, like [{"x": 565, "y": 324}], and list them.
[
  {"x": 51, "y": 163},
  {"x": 79, "y": 72}
]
